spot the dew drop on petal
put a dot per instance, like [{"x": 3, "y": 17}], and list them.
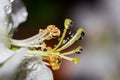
[
  {"x": 10, "y": 26},
  {"x": 11, "y": 1},
  {"x": 33, "y": 69},
  {"x": 8, "y": 9}
]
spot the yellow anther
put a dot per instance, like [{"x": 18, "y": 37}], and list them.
[
  {"x": 49, "y": 48},
  {"x": 55, "y": 66},
  {"x": 54, "y": 61},
  {"x": 54, "y": 31},
  {"x": 76, "y": 60},
  {"x": 53, "y": 58},
  {"x": 49, "y": 37}
]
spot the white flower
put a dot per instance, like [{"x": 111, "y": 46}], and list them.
[
  {"x": 33, "y": 68},
  {"x": 9, "y": 20},
  {"x": 12, "y": 13}
]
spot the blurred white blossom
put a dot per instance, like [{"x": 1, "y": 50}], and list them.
[{"x": 101, "y": 21}]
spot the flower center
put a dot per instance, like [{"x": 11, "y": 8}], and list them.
[{"x": 36, "y": 45}]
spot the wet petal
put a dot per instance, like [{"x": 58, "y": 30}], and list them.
[
  {"x": 5, "y": 53},
  {"x": 4, "y": 20},
  {"x": 12, "y": 13},
  {"x": 19, "y": 13},
  {"x": 9, "y": 68},
  {"x": 34, "y": 69}
]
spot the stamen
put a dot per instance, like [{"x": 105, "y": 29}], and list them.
[
  {"x": 29, "y": 42},
  {"x": 74, "y": 60},
  {"x": 69, "y": 43},
  {"x": 36, "y": 52},
  {"x": 67, "y": 24},
  {"x": 37, "y": 46},
  {"x": 65, "y": 57},
  {"x": 73, "y": 51},
  {"x": 61, "y": 39}
]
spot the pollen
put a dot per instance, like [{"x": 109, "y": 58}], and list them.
[
  {"x": 54, "y": 61},
  {"x": 76, "y": 60},
  {"x": 55, "y": 32}
]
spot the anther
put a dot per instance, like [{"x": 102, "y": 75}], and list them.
[
  {"x": 68, "y": 23},
  {"x": 76, "y": 60}
]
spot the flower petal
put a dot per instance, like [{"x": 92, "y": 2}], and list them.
[
  {"x": 19, "y": 13},
  {"x": 9, "y": 68},
  {"x": 34, "y": 69},
  {"x": 5, "y": 53}
]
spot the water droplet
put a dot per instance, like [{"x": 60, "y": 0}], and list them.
[
  {"x": 58, "y": 60},
  {"x": 59, "y": 39},
  {"x": 78, "y": 52},
  {"x": 11, "y": 1},
  {"x": 70, "y": 24},
  {"x": 55, "y": 45},
  {"x": 70, "y": 32},
  {"x": 32, "y": 43},
  {"x": 64, "y": 41},
  {"x": 8, "y": 9},
  {"x": 10, "y": 26},
  {"x": 82, "y": 36},
  {"x": 72, "y": 35},
  {"x": 68, "y": 39}
]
